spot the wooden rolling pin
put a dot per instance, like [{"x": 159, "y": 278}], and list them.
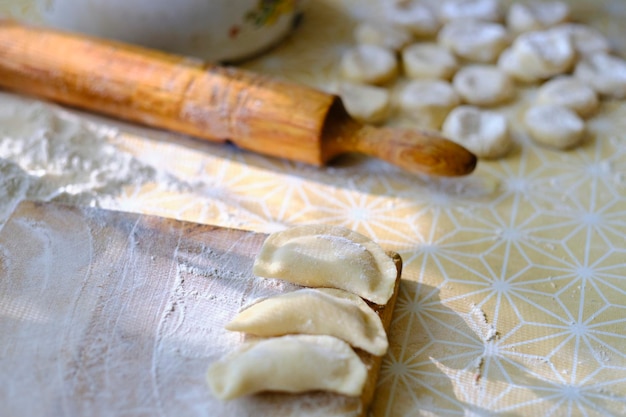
[{"x": 211, "y": 102}]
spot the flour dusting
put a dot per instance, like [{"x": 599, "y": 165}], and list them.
[
  {"x": 14, "y": 185},
  {"x": 49, "y": 154},
  {"x": 478, "y": 322}
]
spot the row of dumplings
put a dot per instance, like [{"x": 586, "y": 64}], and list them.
[
  {"x": 306, "y": 337},
  {"x": 460, "y": 59}
]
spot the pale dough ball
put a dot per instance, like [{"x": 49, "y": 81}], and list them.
[
  {"x": 554, "y": 126},
  {"x": 509, "y": 63},
  {"x": 366, "y": 103},
  {"x": 369, "y": 64},
  {"x": 485, "y": 133},
  {"x": 485, "y": 10},
  {"x": 415, "y": 16},
  {"x": 382, "y": 34},
  {"x": 605, "y": 73},
  {"x": 428, "y": 60},
  {"x": 536, "y": 56},
  {"x": 569, "y": 92},
  {"x": 473, "y": 40},
  {"x": 428, "y": 102},
  {"x": 538, "y": 15},
  {"x": 585, "y": 39},
  {"x": 483, "y": 85}
]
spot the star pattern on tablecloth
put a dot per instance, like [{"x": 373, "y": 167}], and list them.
[{"x": 512, "y": 264}]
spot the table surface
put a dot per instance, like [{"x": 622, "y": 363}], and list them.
[{"x": 513, "y": 299}]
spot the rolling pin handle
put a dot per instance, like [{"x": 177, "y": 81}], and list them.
[{"x": 411, "y": 149}]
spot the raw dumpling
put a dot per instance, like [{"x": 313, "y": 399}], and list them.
[
  {"x": 289, "y": 364},
  {"x": 315, "y": 311},
  {"x": 328, "y": 256}
]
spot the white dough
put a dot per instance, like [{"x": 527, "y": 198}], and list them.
[
  {"x": 569, "y": 92},
  {"x": 428, "y": 102},
  {"x": 293, "y": 364},
  {"x": 413, "y": 15},
  {"x": 554, "y": 126},
  {"x": 474, "y": 40},
  {"x": 585, "y": 39},
  {"x": 606, "y": 74},
  {"x": 485, "y": 10},
  {"x": 323, "y": 311},
  {"x": 509, "y": 63},
  {"x": 328, "y": 256},
  {"x": 428, "y": 60},
  {"x": 538, "y": 15},
  {"x": 483, "y": 85},
  {"x": 365, "y": 103},
  {"x": 370, "y": 64},
  {"x": 485, "y": 133},
  {"x": 536, "y": 56},
  {"x": 382, "y": 34}
]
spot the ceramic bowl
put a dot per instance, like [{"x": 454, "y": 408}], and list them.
[{"x": 214, "y": 30}]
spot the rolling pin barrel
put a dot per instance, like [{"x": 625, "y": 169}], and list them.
[
  {"x": 165, "y": 91},
  {"x": 253, "y": 111}
]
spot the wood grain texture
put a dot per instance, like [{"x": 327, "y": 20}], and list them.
[
  {"x": 157, "y": 89},
  {"x": 413, "y": 150},
  {"x": 105, "y": 314},
  {"x": 255, "y": 112}
]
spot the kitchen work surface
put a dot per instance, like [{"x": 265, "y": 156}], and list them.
[
  {"x": 109, "y": 313},
  {"x": 513, "y": 297}
]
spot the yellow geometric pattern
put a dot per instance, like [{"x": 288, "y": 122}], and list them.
[{"x": 514, "y": 293}]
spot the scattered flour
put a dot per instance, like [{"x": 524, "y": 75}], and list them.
[
  {"x": 478, "y": 322},
  {"x": 14, "y": 185},
  {"x": 49, "y": 154}
]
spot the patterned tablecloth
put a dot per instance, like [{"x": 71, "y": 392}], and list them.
[{"x": 513, "y": 299}]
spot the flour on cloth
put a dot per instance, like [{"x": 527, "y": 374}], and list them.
[{"x": 49, "y": 154}]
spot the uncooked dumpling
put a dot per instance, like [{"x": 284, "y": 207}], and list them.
[
  {"x": 323, "y": 311},
  {"x": 328, "y": 256},
  {"x": 289, "y": 364}
]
